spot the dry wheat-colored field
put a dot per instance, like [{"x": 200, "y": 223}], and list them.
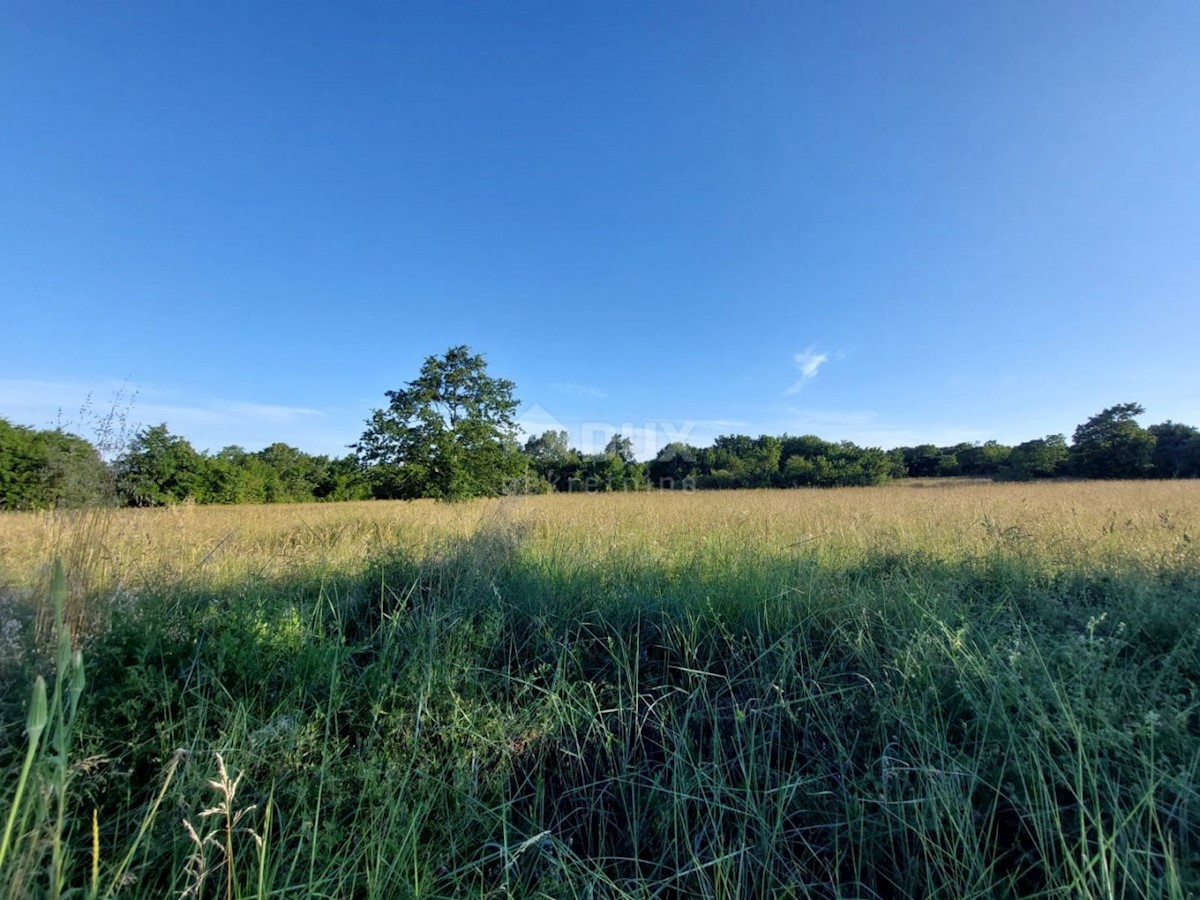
[{"x": 1061, "y": 524}]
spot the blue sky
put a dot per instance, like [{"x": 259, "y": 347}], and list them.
[{"x": 885, "y": 222}]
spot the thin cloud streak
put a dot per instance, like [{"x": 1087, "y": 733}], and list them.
[
  {"x": 207, "y": 423},
  {"x": 44, "y": 403},
  {"x": 809, "y": 363},
  {"x": 213, "y": 424}
]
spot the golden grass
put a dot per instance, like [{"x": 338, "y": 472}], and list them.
[{"x": 1062, "y": 524}]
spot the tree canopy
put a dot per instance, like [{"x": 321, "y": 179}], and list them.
[
  {"x": 42, "y": 469},
  {"x": 448, "y": 434},
  {"x": 1111, "y": 444},
  {"x": 1176, "y": 450},
  {"x": 161, "y": 468},
  {"x": 1039, "y": 458}
]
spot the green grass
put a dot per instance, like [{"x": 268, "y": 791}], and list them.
[{"x": 515, "y": 710}]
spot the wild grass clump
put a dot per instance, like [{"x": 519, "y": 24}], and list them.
[{"x": 565, "y": 700}]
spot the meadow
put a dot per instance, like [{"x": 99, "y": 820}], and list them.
[{"x": 925, "y": 689}]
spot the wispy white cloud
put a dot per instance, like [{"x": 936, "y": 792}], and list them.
[
  {"x": 46, "y": 403},
  {"x": 809, "y": 363},
  {"x": 214, "y": 423},
  {"x": 217, "y": 422},
  {"x": 584, "y": 389},
  {"x": 208, "y": 423},
  {"x": 229, "y": 411}
]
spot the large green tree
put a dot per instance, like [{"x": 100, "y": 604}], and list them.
[
  {"x": 981, "y": 459},
  {"x": 1039, "y": 458},
  {"x": 295, "y": 476},
  {"x": 738, "y": 460},
  {"x": 43, "y": 469},
  {"x": 809, "y": 461},
  {"x": 161, "y": 468},
  {"x": 344, "y": 480},
  {"x": 1176, "y": 450},
  {"x": 22, "y": 468},
  {"x": 925, "y": 461},
  {"x": 675, "y": 466},
  {"x": 448, "y": 434},
  {"x": 1111, "y": 444}
]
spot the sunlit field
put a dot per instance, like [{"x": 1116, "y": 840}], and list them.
[
  {"x": 1059, "y": 525},
  {"x": 934, "y": 688}
]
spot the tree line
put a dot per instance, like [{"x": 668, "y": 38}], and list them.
[
  {"x": 51, "y": 468},
  {"x": 451, "y": 434},
  {"x": 1109, "y": 445}
]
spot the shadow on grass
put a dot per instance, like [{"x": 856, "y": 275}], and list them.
[{"x": 489, "y": 720}]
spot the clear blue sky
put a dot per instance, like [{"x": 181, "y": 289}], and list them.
[{"x": 888, "y": 222}]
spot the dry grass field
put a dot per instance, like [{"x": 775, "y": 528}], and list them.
[
  {"x": 937, "y": 688},
  {"x": 1060, "y": 525}
]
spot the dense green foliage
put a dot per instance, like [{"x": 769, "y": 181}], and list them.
[
  {"x": 733, "y": 461},
  {"x": 490, "y": 720},
  {"x": 45, "y": 469},
  {"x": 1111, "y": 444},
  {"x": 42, "y": 469},
  {"x": 1039, "y": 458},
  {"x": 1176, "y": 451},
  {"x": 160, "y": 468},
  {"x": 449, "y": 434}
]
